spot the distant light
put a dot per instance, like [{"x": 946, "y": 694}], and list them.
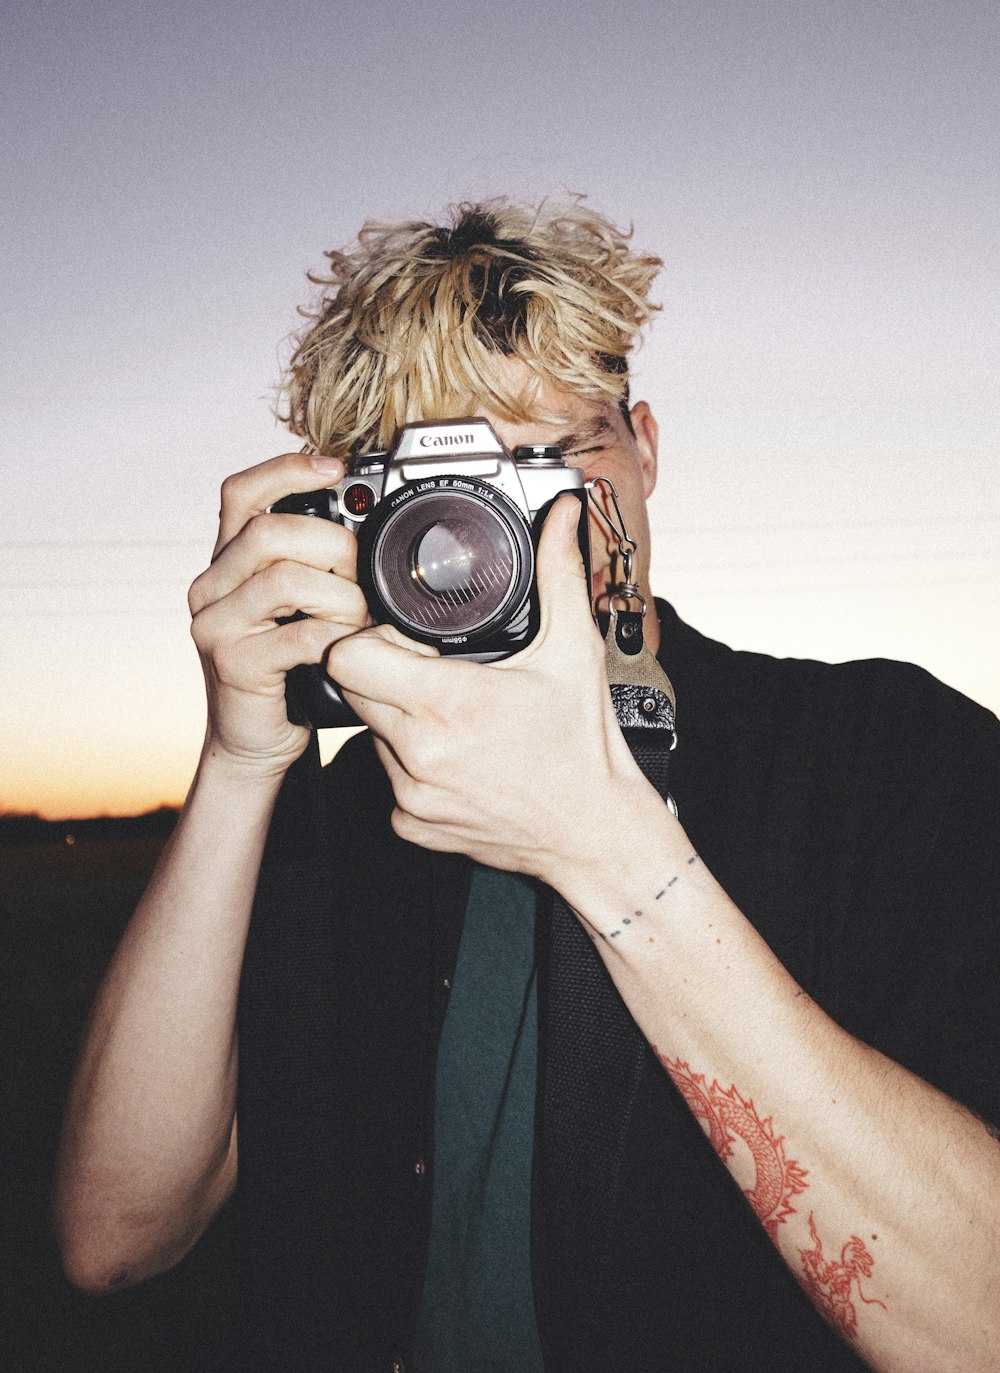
[{"x": 70, "y": 839}]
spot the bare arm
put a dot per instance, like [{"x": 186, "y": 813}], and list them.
[
  {"x": 880, "y": 1193},
  {"x": 149, "y": 1142}
]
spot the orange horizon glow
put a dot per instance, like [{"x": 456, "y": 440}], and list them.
[
  {"x": 72, "y": 794},
  {"x": 65, "y": 802},
  {"x": 119, "y": 730}
]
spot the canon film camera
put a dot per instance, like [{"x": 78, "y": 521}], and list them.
[{"x": 447, "y": 527}]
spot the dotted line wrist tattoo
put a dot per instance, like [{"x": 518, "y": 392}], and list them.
[{"x": 627, "y": 920}]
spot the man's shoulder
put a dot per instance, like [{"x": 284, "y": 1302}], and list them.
[{"x": 876, "y": 709}]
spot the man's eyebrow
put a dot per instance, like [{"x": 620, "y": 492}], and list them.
[{"x": 597, "y": 428}]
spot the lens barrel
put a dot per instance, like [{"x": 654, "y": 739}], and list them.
[{"x": 446, "y": 559}]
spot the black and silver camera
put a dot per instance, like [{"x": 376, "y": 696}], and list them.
[{"x": 447, "y": 527}]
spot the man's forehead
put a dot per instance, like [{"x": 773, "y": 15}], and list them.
[
  {"x": 561, "y": 427},
  {"x": 554, "y": 411}
]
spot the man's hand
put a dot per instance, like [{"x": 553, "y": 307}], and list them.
[
  {"x": 513, "y": 763},
  {"x": 266, "y": 567}
]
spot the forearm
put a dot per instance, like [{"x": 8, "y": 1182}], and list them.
[
  {"x": 148, "y": 1149},
  {"x": 879, "y": 1192}
]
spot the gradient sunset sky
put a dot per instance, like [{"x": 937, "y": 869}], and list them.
[{"x": 821, "y": 179}]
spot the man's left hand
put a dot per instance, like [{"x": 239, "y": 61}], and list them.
[{"x": 514, "y": 763}]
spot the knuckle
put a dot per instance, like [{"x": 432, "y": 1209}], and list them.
[
  {"x": 310, "y": 639},
  {"x": 357, "y": 606},
  {"x": 403, "y": 826},
  {"x": 423, "y": 754},
  {"x": 390, "y": 634},
  {"x": 231, "y": 662},
  {"x": 279, "y": 580},
  {"x": 408, "y": 793},
  {"x": 196, "y": 597},
  {"x": 347, "y": 549},
  {"x": 232, "y": 489},
  {"x": 353, "y": 606},
  {"x": 204, "y": 630},
  {"x": 259, "y": 534}
]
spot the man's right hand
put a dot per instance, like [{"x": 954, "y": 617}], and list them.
[
  {"x": 264, "y": 568},
  {"x": 149, "y": 1144}
]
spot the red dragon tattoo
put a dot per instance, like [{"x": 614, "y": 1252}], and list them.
[
  {"x": 830, "y": 1285},
  {"x": 727, "y": 1116}
]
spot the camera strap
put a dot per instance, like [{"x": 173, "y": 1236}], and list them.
[
  {"x": 643, "y": 697},
  {"x": 593, "y": 1049}
]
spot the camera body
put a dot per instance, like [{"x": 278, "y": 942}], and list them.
[{"x": 447, "y": 527}]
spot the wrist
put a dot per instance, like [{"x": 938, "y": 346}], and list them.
[
  {"x": 611, "y": 842},
  {"x": 223, "y": 765}
]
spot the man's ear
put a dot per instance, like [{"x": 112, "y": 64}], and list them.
[{"x": 647, "y": 438}]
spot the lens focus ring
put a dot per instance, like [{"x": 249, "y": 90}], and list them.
[{"x": 446, "y": 562}]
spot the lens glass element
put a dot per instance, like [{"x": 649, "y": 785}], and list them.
[
  {"x": 446, "y": 563},
  {"x": 443, "y": 558}
]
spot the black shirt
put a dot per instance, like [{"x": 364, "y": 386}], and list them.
[{"x": 850, "y": 811}]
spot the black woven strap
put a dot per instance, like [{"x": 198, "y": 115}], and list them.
[{"x": 592, "y": 1062}]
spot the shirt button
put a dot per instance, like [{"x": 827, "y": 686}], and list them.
[
  {"x": 420, "y": 1168},
  {"x": 398, "y": 1366},
  {"x": 447, "y": 984}
]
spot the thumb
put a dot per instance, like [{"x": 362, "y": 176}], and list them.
[{"x": 563, "y": 589}]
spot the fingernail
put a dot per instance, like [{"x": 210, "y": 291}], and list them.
[{"x": 330, "y": 467}]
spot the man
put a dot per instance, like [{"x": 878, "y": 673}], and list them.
[{"x": 791, "y": 1170}]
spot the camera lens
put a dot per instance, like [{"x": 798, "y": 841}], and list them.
[
  {"x": 444, "y": 559},
  {"x": 448, "y": 562}
]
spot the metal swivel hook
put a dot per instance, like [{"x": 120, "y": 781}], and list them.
[{"x": 625, "y": 590}]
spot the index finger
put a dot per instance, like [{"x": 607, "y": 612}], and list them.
[
  {"x": 384, "y": 666},
  {"x": 252, "y": 491}
]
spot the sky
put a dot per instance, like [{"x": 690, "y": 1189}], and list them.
[{"x": 821, "y": 180}]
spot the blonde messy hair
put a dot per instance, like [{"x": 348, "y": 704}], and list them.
[{"x": 410, "y": 322}]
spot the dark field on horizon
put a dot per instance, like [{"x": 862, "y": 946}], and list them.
[{"x": 62, "y": 910}]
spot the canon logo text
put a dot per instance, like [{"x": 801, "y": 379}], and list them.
[{"x": 445, "y": 440}]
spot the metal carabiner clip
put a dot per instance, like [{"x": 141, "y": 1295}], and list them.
[{"x": 625, "y": 590}]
